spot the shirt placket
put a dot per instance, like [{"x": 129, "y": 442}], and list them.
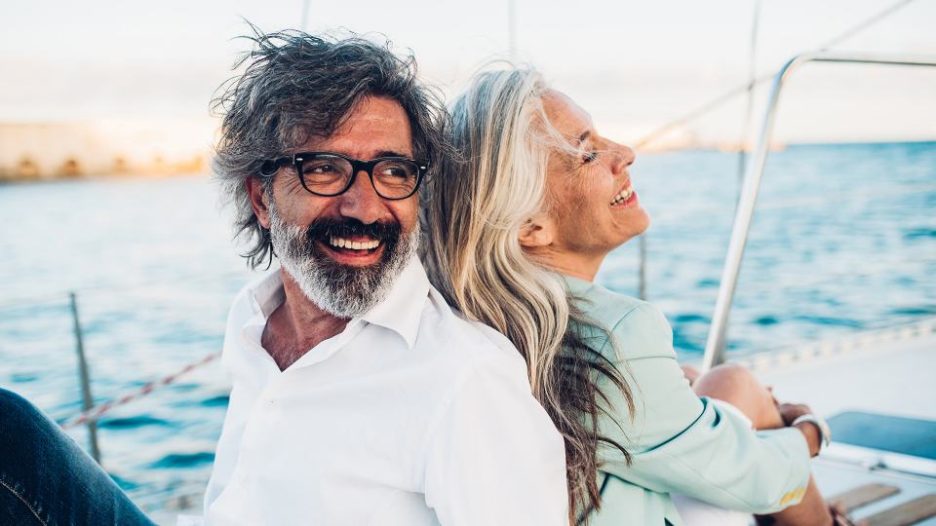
[{"x": 259, "y": 433}]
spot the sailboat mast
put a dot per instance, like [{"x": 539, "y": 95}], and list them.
[{"x": 512, "y": 29}]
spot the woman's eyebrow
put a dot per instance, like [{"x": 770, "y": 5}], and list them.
[{"x": 584, "y": 136}]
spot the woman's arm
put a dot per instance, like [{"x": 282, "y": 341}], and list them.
[{"x": 685, "y": 444}]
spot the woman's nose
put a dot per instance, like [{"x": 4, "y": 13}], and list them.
[{"x": 624, "y": 158}]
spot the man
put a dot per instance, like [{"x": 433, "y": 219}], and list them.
[{"x": 359, "y": 397}]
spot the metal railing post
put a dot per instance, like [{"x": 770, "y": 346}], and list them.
[
  {"x": 84, "y": 377},
  {"x": 715, "y": 345}
]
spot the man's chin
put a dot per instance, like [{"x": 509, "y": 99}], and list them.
[
  {"x": 351, "y": 257},
  {"x": 342, "y": 291}
]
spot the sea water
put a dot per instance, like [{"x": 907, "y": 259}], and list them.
[{"x": 843, "y": 240}]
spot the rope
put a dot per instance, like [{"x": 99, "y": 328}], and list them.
[{"x": 95, "y": 413}]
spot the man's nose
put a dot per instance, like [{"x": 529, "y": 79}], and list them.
[{"x": 361, "y": 201}]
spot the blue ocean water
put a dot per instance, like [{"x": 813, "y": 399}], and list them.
[{"x": 844, "y": 239}]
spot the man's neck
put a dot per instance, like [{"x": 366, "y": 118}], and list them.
[{"x": 297, "y": 326}]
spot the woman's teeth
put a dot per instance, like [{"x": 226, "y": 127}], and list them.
[
  {"x": 624, "y": 195},
  {"x": 339, "y": 242}
]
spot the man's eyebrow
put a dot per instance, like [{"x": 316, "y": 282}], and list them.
[
  {"x": 584, "y": 136},
  {"x": 391, "y": 153}
]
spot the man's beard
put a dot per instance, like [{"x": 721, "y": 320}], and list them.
[{"x": 342, "y": 290}]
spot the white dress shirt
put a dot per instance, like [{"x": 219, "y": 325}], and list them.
[{"x": 410, "y": 416}]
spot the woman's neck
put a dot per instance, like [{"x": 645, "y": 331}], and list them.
[{"x": 582, "y": 266}]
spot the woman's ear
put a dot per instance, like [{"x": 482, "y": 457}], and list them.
[
  {"x": 258, "y": 200},
  {"x": 537, "y": 232}
]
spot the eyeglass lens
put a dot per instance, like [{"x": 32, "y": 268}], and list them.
[{"x": 329, "y": 175}]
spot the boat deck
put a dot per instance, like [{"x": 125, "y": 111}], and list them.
[
  {"x": 882, "y": 374},
  {"x": 891, "y": 371}
]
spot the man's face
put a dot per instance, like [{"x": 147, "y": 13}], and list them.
[{"x": 345, "y": 251}]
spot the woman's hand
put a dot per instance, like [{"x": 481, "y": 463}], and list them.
[
  {"x": 691, "y": 373},
  {"x": 790, "y": 412}
]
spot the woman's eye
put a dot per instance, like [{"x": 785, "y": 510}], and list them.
[{"x": 588, "y": 157}]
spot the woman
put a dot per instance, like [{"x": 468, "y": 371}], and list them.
[{"x": 518, "y": 226}]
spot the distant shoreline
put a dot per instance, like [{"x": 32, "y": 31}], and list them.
[
  {"x": 196, "y": 167},
  {"x": 9, "y": 181}
]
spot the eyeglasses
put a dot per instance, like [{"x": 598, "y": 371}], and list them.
[{"x": 332, "y": 174}]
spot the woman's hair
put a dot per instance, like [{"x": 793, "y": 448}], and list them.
[{"x": 473, "y": 211}]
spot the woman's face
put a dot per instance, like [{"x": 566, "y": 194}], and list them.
[{"x": 591, "y": 202}]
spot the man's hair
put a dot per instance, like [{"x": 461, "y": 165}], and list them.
[{"x": 296, "y": 86}]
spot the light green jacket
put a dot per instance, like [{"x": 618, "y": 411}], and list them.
[{"x": 679, "y": 443}]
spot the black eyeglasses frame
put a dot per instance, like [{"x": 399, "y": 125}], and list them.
[{"x": 270, "y": 167}]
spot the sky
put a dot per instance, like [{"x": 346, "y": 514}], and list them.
[{"x": 633, "y": 65}]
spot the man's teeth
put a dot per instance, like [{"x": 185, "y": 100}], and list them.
[
  {"x": 624, "y": 195},
  {"x": 340, "y": 242}
]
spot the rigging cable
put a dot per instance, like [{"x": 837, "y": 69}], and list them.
[{"x": 730, "y": 94}]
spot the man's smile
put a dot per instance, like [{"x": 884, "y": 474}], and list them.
[
  {"x": 363, "y": 244},
  {"x": 357, "y": 251}
]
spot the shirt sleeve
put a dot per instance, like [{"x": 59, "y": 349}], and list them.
[
  {"x": 681, "y": 443},
  {"x": 235, "y": 416},
  {"x": 494, "y": 456}
]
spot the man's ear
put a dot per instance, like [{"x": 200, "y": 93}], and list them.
[
  {"x": 537, "y": 232},
  {"x": 258, "y": 200}
]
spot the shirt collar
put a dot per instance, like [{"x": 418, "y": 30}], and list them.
[
  {"x": 267, "y": 293},
  {"x": 577, "y": 286},
  {"x": 400, "y": 311}
]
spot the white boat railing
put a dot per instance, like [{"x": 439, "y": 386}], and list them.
[{"x": 715, "y": 345}]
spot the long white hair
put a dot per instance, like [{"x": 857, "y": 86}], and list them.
[{"x": 473, "y": 212}]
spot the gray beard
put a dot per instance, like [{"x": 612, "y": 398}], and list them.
[{"x": 340, "y": 290}]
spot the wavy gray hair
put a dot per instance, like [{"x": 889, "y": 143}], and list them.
[{"x": 296, "y": 86}]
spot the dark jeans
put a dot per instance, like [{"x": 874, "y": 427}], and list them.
[{"x": 45, "y": 478}]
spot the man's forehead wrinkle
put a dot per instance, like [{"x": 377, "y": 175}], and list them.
[
  {"x": 368, "y": 131},
  {"x": 369, "y": 128}
]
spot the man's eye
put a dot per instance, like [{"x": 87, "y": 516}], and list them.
[
  {"x": 399, "y": 171},
  {"x": 320, "y": 168}
]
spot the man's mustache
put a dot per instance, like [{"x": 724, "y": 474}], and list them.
[{"x": 325, "y": 228}]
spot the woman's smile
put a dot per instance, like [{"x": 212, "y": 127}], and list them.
[{"x": 625, "y": 197}]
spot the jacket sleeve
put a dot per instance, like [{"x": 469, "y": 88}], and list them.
[
  {"x": 494, "y": 456},
  {"x": 684, "y": 444}
]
